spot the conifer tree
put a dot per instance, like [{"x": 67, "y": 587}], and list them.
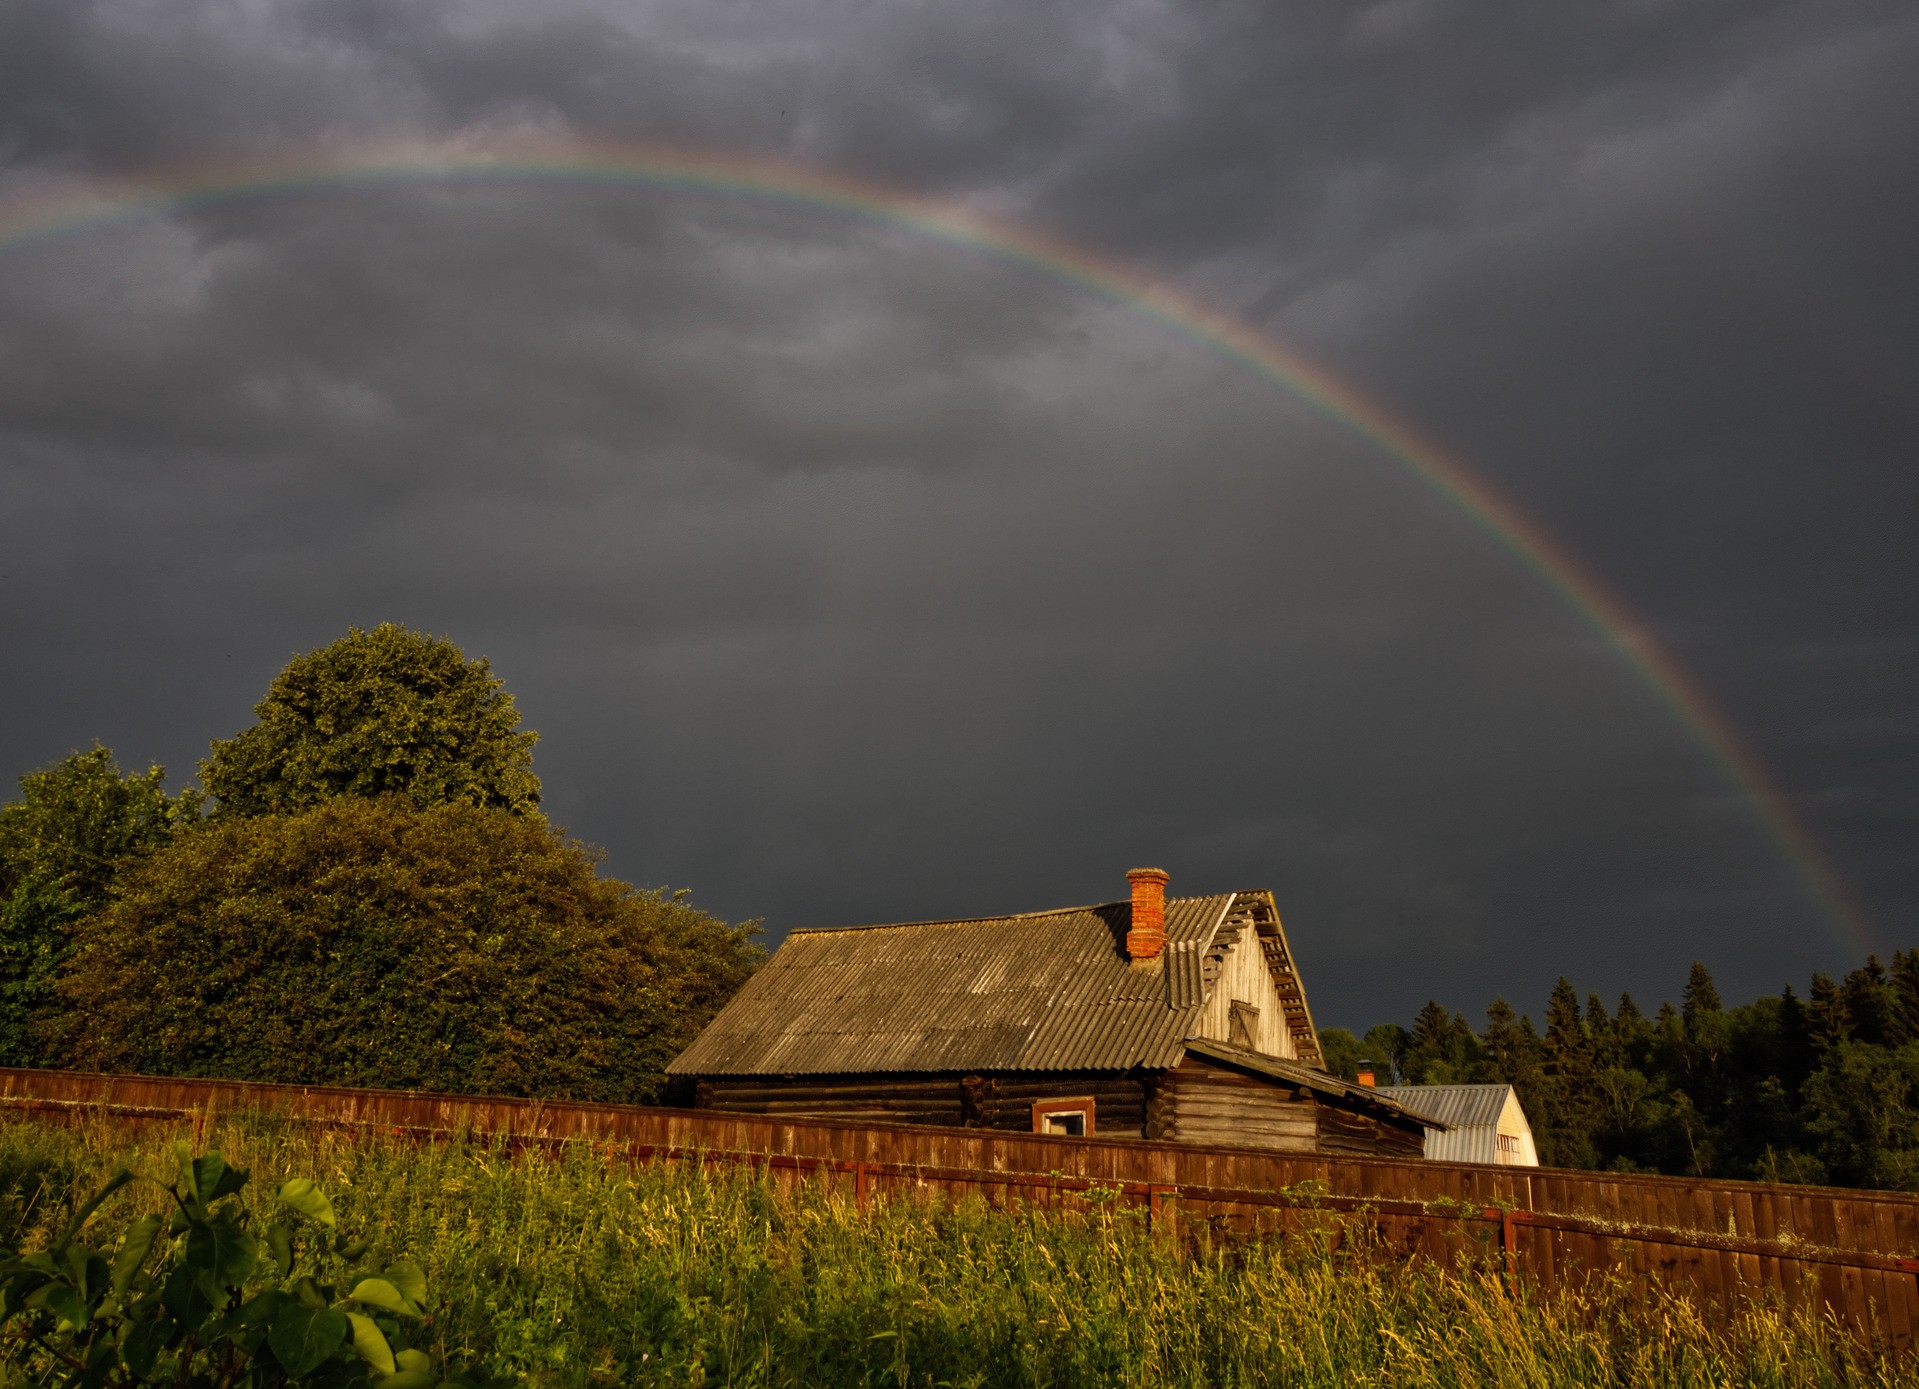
[
  {"x": 1869, "y": 1002},
  {"x": 1571, "y": 1107},
  {"x": 1828, "y": 1021},
  {"x": 1701, "y": 995},
  {"x": 1904, "y": 1021},
  {"x": 1633, "y": 1028}
]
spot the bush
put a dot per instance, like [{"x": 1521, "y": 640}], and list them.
[
  {"x": 454, "y": 948},
  {"x": 390, "y": 712},
  {"x": 185, "y": 1297}
]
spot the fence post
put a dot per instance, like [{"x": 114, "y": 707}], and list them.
[
  {"x": 1509, "y": 1242},
  {"x": 861, "y": 1184},
  {"x": 1162, "y": 1217}
]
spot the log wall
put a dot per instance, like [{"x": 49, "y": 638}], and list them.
[
  {"x": 1202, "y": 1102},
  {"x": 1003, "y": 1102}
]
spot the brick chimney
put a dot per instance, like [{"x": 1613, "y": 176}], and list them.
[
  {"x": 1146, "y": 938},
  {"x": 1366, "y": 1074}
]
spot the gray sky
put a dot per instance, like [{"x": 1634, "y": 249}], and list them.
[{"x": 849, "y": 576}]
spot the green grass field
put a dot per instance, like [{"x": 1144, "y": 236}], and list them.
[{"x": 578, "y": 1269}]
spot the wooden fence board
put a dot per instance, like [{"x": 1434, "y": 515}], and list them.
[{"x": 1853, "y": 1251}]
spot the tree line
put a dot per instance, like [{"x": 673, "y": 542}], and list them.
[
  {"x": 361, "y": 889},
  {"x": 1820, "y": 1089}
]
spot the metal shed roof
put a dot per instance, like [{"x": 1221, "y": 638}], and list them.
[
  {"x": 1455, "y": 1106},
  {"x": 1038, "y": 991}
]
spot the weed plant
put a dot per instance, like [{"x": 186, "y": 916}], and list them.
[{"x": 577, "y": 1268}]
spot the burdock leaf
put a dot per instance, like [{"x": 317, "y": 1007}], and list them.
[
  {"x": 302, "y": 1337},
  {"x": 143, "y": 1345},
  {"x": 280, "y": 1241},
  {"x": 371, "y": 1344},
  {"x": 409, "y": 1279},
  {"x": 222, "y": 1255},
  {"x": 134, "y": 1250},
  {"x": 63, "y": 1302},
  {"x": 300, "y": 1194},
  {"x": 377, "y": 1292}
]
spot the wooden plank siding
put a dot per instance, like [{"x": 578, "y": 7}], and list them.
[{"x": 1852, "y": 1251}]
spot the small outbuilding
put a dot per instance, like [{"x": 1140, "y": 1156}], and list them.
[
  {"x": 1180, "y": 1019},
  {"x": 1483, "y": 1123}
]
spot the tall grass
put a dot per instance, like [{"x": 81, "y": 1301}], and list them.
[{"x": 578, "y": 1269}]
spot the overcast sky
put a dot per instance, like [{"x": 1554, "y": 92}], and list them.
[{"x": 849, "y": 576}]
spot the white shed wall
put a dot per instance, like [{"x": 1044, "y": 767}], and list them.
[{"x": 1480, "y": 1142}]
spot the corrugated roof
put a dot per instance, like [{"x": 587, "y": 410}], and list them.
[
  {"x": 1456, "y": 1106},
  {"x": 1038, "y": 991}
]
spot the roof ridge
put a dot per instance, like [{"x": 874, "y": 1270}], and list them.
[{"x": 996, "y": 916}]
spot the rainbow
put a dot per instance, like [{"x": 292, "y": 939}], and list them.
[{"x": 48, "y": 214}]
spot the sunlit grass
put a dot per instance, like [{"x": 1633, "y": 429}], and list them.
[{"x": 577, "y": 1268}]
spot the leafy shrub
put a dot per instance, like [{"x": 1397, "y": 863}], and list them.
[
  {"x": 390, "y": 712},
  {"x": 455, "y": 948},
  {"x": 169, "y": 1300}
]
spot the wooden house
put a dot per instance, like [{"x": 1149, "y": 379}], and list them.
[
  {"x": 1484, "y": 1123},
  {"x": 1179, "y": 1019}
]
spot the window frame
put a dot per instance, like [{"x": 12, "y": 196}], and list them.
[{"x": 1082, "y": 1105}]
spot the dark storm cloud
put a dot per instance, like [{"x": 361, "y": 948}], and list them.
[{"x": 848, "y": 578}]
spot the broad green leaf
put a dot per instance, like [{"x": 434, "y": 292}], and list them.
[
  {"x": 14, "y": 1293},
  {"x": 134, "y": 1250},
  {"x": 405, "y": 1379},
  {"x": 280, "y": 1241},
  {"x": 81, "y": 1216},
  {"x": 185, "y": 1298},
  {"x": 408, "y": 1278},
  {"x": 259, "y": 1309},
  {"x": 221, "y": 1254},
  {"x": 208, "y": 1173},
  {"x": 417, "y": 1360},
  {"x": 302, "y": 1195},
  {"x": 231, "y": 1181},
  {"x": 378, "y": 1292},
  {"x": 302, "y": 1337},
  {"x": 189, "y": 1180},
  {"x": 65, "y": 1303},
  {"x": 371, "y": 1344},
  {"x": 85, "y": 1270},
  {"x": 143, "y": 1345},
  {"x": 309, "y": 1292}
]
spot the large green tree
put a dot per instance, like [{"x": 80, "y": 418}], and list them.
[
  {"x": 390, "y": 712},
  {"x": 76, "y": 823},
  {"x": 367, "y": 942}
]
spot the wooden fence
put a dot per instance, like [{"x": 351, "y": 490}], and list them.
[{"x": 1849, "y": 1251}]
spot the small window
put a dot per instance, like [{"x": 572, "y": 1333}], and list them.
[
  {"x": 1065, "y": 1118},
  {"x": 1508, "y": 1144},
  {"x": 1243, "y": 1027}
]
